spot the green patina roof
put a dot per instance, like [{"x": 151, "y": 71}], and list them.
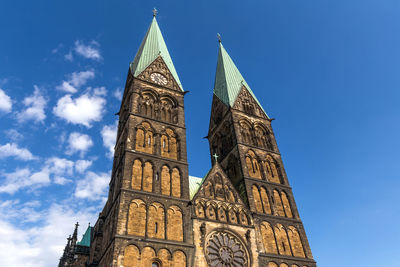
[
  {"x": 194, "y": 185},
  {"x": 228, "y": 80},
  {"x": 153, "y": 45},
  {"x": 85, "y": 241}
]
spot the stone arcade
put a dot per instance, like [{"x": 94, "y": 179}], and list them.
[{"x": 242, "y": 213}]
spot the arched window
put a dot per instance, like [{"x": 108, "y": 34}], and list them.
[
  {"x": 169, "y": 146},
  {"x": 137, "y": 218},
  {"x": 176, "y": 183},
  {"x": 245, "y": 132},
  {"x": 252, "y": 165},
  {"x": 199, "y": 210},
  {"x": 232, "y": 216},
  {"x": 165, "y": 181},
  {"x": 164, "y": 257},
  {"x": 155, "y": 222},
  {"x": 257, "y": 199},
  {"x": 282, "y": 240},
  {"x": 148, "y": 177},
  {"x": 286, "y": 205},
  {"x": 136, "y": 181},
  {"x": 265, "y": 201},
  {"x": 268, "y": 238},
  {"x": 131, "y": 256},
  {"x": 174, "y": 224},
  {"x": 272, "y": 170},
  {"x": 296, "y": 243},
  {"x": 144, "y": 138},
  {"x": 179, "y": 259},
  {"x": 278, "y": 204},
  {"x": 210, "y": 212}
]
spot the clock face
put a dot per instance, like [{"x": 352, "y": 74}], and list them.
[{"x": 158, "y": 78}]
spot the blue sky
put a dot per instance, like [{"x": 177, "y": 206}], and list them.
[{"x": 328, "y": 71}]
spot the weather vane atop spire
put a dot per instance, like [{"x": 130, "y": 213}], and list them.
[
  {"x": 219, "y": 37},
  {"x": 154, "y": 12}
]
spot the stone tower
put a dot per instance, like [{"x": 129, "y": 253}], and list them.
[
  {"x": 146, "y": 221},
  {"x": 242, "y": 141}
]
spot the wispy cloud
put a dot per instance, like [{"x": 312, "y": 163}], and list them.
[
  {"x": 83, "y": 110},
  {"x": 12, "y": 150},
  {"x": 5, "y": 102},
  {"x": 90, "y": 51},
  {"x": 78, "y": 142},
  {"x": 34, "y": 107},
  {"x": 22, "y": 178},
  {"x": 93, "y": 186}
]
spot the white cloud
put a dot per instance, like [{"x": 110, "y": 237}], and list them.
[
  {"x": 59, "y": 166},
  {"x": 118, "y": 94},
  {"x": 79, "y": 143},
  {"x": 93, "y": 186},
  {"x": 109, "y": 134},
  {"x": 76, "y": 80},
  {"x": 5, "y": 102},
  {"x": 35, "y": 105},
  {"x": 12, "y": 150},
  {"x": 43, "y": 244},
  {"x": 23, "y": 178},
  {"x": 83, "y": 110},
  {"x": 90, "y": 50},
  {"x": 82, "y": 165},
  {"x": 61, "y": 180}
]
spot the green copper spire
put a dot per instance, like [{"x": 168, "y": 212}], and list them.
[
  {"x": 228, "y": 80},
  {"x": 152, "y": 46}
]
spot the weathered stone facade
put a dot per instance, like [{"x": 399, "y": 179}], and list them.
[{"x": 241, "y": 214}]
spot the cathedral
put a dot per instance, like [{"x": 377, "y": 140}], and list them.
[{"x": 241, "y": 213}]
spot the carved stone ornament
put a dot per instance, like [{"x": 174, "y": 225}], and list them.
[{"x": 223, "y": 249}]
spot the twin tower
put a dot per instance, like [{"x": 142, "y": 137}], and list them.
[{"x": 242, "y": 213}]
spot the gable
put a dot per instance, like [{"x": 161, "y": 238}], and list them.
[
  {"x": 217, "y": 186},
  {"x": 159, "y": 66},
  {"x": 246, "y": 103}
]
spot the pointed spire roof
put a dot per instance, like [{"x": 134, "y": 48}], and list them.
[
  {"x": 229, "y": 80},
  {"x": 153, "y": 45}
]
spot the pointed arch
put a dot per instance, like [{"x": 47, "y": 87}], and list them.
[
  {"x": 209, "y": 190},
  {"x": 176, "y": 183},
  {"x": 278, "y": 204},
  {"x": 131, "y": 256},
  {"x": 222, "y": 216},
  {"x": 257, "y": 199},
  {"x": 232, "y": 214},
  {"x": 165, "y": 181},
  {"x": 244, "y": 219},
  {"x": 268, "y": 238},
  {"x": 174, "y": 224},
  {"x": 137, "y": 218},
  {"x": 199, "y": 210},
  {"x": 245, "y": 131},
  {"x": 179, "y": 259},
  {"x": 136, "y": 181},
  {"x": 295, "y": 241},
  {"x": 155, "y": 222},
  {"x": 282, "y": 240},
  {"x": 148, "y": 177},
  {"x": 210, "y": 211},
  {"x": 265, "y": 200},
  {"x": 286, "y": 205}
]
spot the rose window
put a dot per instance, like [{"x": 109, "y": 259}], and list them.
[{"x": 225, "y": 250}]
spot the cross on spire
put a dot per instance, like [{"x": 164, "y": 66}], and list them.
[
  {"x": 154, "y": 12},
  {"x": 219, "y": 37},
  {"x": 215, "y": 157}
]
